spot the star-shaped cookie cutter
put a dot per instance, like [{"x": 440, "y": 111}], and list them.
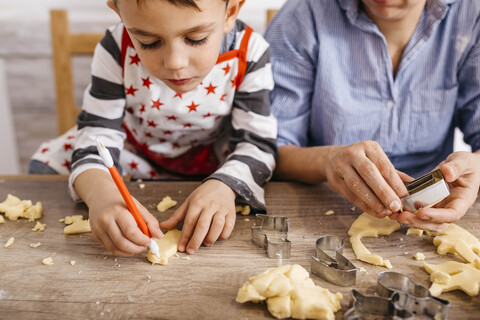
[
  {"x": 334, "y": 268},
  {"x": 399, "y": 297},
  {"x": 270, "y": 233}
]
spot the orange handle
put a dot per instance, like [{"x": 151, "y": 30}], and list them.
[{"x": 129, "y": 201}]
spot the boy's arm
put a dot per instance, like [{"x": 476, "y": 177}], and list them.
[
  {"x": 102, "y": 109},
  {"x": 254, "y": 130}
]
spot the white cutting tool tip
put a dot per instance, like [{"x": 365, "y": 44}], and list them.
[{"x": 154, "y": 247}]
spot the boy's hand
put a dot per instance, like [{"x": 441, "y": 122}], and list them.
[
  {"x": 209, "y": 214},
  {"x": 112, "y": 224},
  {"x": 461, "y": 170}
]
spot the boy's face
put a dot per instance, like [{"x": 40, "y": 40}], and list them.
[{"x": 177, "y": 44}]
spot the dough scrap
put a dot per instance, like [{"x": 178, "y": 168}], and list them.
[
  {"x": 168, "y": 246},
  {"x": 369, "y": 226},
  {"x": 290, "y": 292},
  {"x": 35, "y": 245},
  {"x": 2, "y": 220},
  {"x": 15, "y": 208},
  {"x": 456, "y": 240},
  {"x": 243, "y": 210},
  {"x": 166, "y": 204},
  {"x": 76, "y": 224},
  {"x": 419, "y": 256},
  {"x": 39, "y": 226},
  {"x": 415, "y": 231},
  {"x": 461, "y": 276},
  {"x": 9, "y": 243},
  {"x": 329, "y": 212},
  {"x": 47, "y": 261}
]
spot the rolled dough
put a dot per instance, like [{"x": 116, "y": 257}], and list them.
[
  {"x": 453, "y": 275},
  {"x": 168, "y": 246},
  {"x": 456, "y": 240}
]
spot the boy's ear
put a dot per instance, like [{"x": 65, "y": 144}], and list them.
[
  {"x": 112, "y": 6},
  {"x": 232, "y": 13}
]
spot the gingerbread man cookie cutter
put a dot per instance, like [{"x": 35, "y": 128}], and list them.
[
  {"x": 271, "y": 233},
  {"x": 399, "y": 297},
  {"x": 330, "y": 264}
]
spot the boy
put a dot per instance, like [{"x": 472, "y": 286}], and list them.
[{"x": 160, "y": 86}]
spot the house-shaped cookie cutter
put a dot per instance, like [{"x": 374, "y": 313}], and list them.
[
  {"x": 271, "y": 233},
  {"x": 399, "y": 297},
  {"x": 329, "y": 263}
]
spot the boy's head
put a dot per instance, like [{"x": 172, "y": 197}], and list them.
[{"x": 178, "y": 41}]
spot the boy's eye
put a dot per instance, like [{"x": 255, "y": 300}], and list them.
[
  {"x": 196, "y": 42},
  {"x": 146, "y": 46}
]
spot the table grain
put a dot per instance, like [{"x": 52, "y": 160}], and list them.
[{"x": 103, "y": 286}]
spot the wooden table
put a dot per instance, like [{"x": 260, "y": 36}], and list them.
[{"x": 102, "y": 286}]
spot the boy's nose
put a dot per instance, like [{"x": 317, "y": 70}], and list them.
[{"x": 175, "y": 60}]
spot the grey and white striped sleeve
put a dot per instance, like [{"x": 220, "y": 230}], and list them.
[
  {"x": 254, "y": 130},
  {"x": 102, "y": 109}
]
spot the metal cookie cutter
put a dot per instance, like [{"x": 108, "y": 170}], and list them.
[
  {"x": 425, "y": 191},
  {"x": 399, "y": 297},
  {"x": 271, "y": 234},
  {"x": 337, "y": 269}
]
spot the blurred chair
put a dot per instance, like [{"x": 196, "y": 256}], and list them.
[
  {"x": 270, "y": 14},
  {"x": 65, "y": 45}
]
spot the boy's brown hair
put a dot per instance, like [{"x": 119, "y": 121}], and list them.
[{"x": 186, "y": 3}]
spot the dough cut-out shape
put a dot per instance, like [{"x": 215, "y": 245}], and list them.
[
  {"x": 167, "y": 245},
  {"x": 369, "y": 226},
  {"x": 453, "y": 275},
  {"x": 456, "y": 240},
  {"x": 166, "y": 204},
  {"x": 290, "y": 293},
  {"x": 76, "y": 224},
  {"x": 15, "y": 208},
  {"x": 415, "y": 231}
]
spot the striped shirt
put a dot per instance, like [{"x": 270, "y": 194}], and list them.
[
  {"x": 334, "y": 83},
  {"x": 222, "y": 129}
]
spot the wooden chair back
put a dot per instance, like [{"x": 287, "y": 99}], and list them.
[{"x": 65, "y": 45}]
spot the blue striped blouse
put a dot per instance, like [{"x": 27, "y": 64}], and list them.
[{"x": 334, "y": 82}]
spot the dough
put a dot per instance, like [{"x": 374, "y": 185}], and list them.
[
  {"x": 47, "y": 261},
  {"x": 9, "y": 242},
  {"x": 419, "y": 256},
  {"x": 453, "y": 275},
  {"x": 35, "y": 245},
  {"x": 76, "y": 224},
  {"x": 168, "y": 246},
  {"x": 2, "y": 220},
  {"x": 329, "y": 212},
  {"x": 243, "y": 210},
  {"x": 39, "y": 226},
  {"x": 369, "y": 226},
  {"x": 15, "y": 208},
  {"x": 290, "y": 293},
  {"x": 415, "y": 231},
  {"x": 166, "y": 204},
  {"x": 456, "y": 240}
]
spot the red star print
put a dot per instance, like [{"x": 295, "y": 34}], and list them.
[
  {"x": 207, "y": 115},
  {"x": 131, "y": 90},
  {"x": 167, "y": 132},
  {"x": 133, "y": 165},
  {"x": 234, "y": 81},
  {"x": 134, "y": 131},
  {"x": 45, "y": 150},
  {"x": 149, "y": 135},
  {"x": 70, "y": 137},
  {"x": 162, "y": 140},
  {"x": 135, "y": 59},
  {"x": 129, "y": 110},
  {"x": 147, "y": 82},
  {"x": 152, "y": 173},
  {"x": 178, "y": 94},
  {"x": 183, "y": 135},
  {"x": 151, "y": 123},
  {"x": 192, "y": 107},
  {"x": 187, "y": 125},
  {"x": 226, "y": 69},
  {"x": 217, "y": 117},
  {"x": 222, "y": 98},
  {"x": 66, "y": 164},
  {"x": 142, "y": 109},
  {"x": 210, "y": 89},
  {"x": 156, "y": 104},
  {"x": 140, "y": 121},
  {"x": 172, "y": 118},
  {"x": 175, "y": 145},
  {"x": 193, "y": 141},
  {"x": 67, "y": 146}
]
